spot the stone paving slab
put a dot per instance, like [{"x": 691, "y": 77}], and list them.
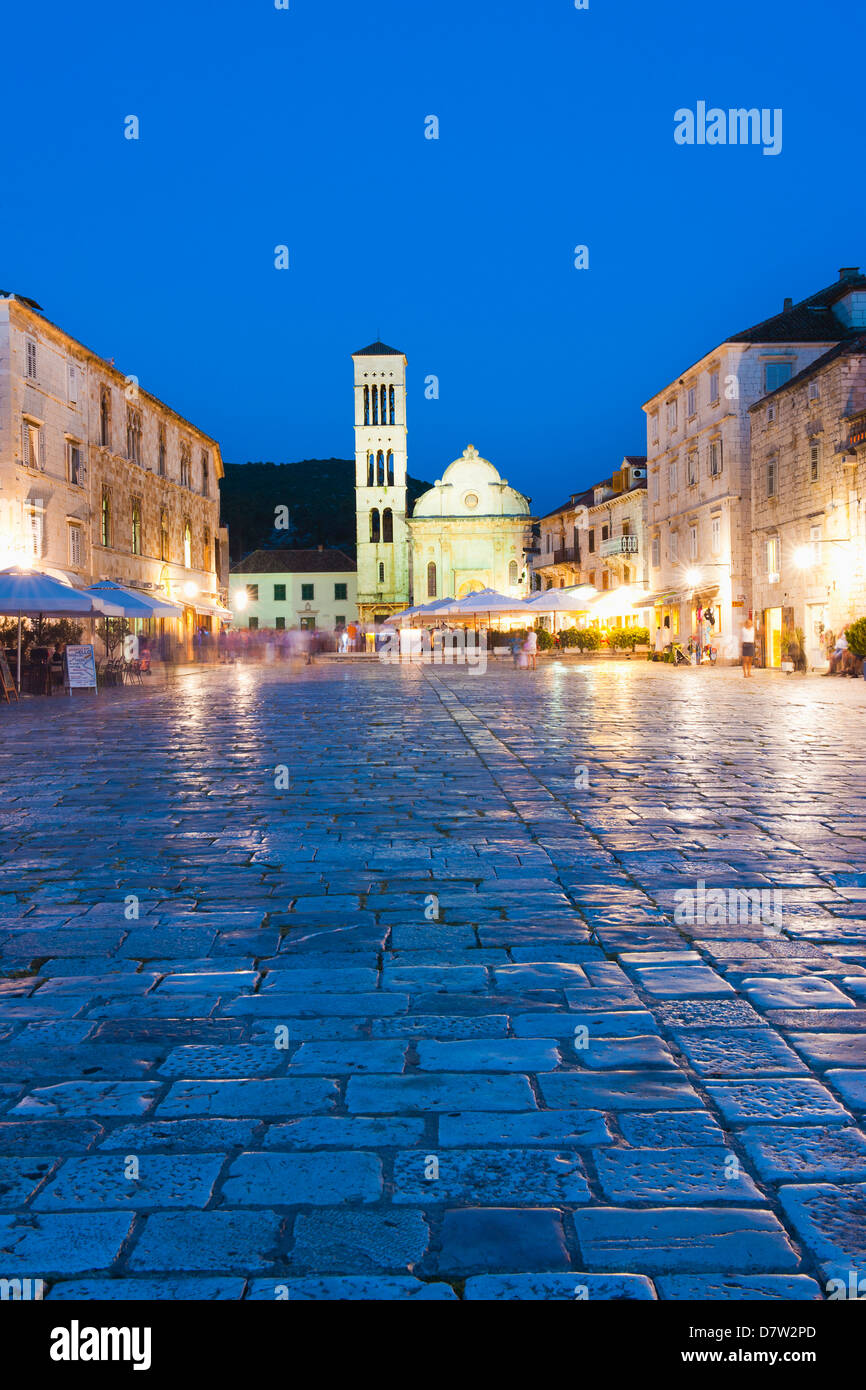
[{"x": 427, "y": 1024}]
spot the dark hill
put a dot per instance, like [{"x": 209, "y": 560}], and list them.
[{"x": 320, "y": 496}]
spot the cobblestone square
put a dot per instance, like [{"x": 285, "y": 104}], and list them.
[{"x": 432, "y": 1021}]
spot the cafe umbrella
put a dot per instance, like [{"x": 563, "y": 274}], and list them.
[{"x": 29, "y": 594}]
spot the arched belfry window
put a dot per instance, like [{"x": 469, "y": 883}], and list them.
[
  {"x": 512, "y": 572},
  {"x": 431, "y": 579},
  {"x": 390, "y": 470},
  {"x": 391, "y": 404},
  {"x": 375, "y": 405},
  {"x": 387, "y": 526},
  {"x": 366, "y": 405},
  {"x": 380, "y": 468},
  {"x": 384, "y": 407},
  {"x": 371, "y": 470},
  {"x": 374, "y": 524}
]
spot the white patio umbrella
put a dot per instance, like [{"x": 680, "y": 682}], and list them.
[
  {"x": 30, "y": 594},
  {"x": 576, "y": 599},
  {"x": 132, "y": 603},
  {"x": 573, "y": 600}
]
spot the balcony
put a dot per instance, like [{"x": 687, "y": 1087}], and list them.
[
  {"x": 620, "y": 545},
  {"x": 564, "y": 556}
]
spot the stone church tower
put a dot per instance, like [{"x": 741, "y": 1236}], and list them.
[{"x": 384, "y": 581}]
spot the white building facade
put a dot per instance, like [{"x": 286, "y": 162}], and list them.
[
  {"x": 283, "y": 589},
  {"x": 384, "y": 580},
  {"x": 698, "y": 462},
  {"x": 470, "y": 531}
]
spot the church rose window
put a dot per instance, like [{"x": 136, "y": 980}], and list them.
[{"x": 470, "y": 501}]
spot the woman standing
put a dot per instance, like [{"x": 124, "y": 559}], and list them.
[{"x": 748, "y": 644}]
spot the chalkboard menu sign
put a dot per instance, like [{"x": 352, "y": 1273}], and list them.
[
  {"x": 7, "y": 684},
  {"x": 79, "y": 668}
]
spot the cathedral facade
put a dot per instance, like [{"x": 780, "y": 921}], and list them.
[{"x": 470, "y": 531}]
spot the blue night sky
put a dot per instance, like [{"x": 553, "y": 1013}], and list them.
[{"x": 306, "y": 127}]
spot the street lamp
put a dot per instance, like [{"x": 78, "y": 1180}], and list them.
[{"x": 240, "y": 600}]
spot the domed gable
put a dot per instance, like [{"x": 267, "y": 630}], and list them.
[{"x": 471, "y": 486}]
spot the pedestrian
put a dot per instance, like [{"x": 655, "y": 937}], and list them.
[
  {"x": 530, "y": 646},
  {"x": 748, "y": 645},
  {"x": 663, "y": 635}
]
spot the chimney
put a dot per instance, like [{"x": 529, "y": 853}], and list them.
[
  {"x": 849, "y": 272},
  {"x": 788, "y": 304}
]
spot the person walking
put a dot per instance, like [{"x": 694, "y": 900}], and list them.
[
  {"x": 748, "y": 645},
  {"x": 530, "y": 646}
]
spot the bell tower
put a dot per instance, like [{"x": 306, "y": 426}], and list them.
[{"x": 380, "y": 481}]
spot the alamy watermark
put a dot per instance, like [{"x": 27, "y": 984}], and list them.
[
  {"x": 443, "y": 648},
  {"x": 736, "y": 126},
  {"x": 702, "y": 906}
]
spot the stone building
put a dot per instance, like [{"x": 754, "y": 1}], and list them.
[
  {"x": 384, "y": 581},
  {"x": 98, "y": 478},
  {"x": 282, "y": 589},
  {"x": 556, "y": 563},
  {"x": 698, "y": 459},
  {"x": 809, "y": 503},
  {"x": 599, "y": 536},
  {"x": 469, "y": 531}
]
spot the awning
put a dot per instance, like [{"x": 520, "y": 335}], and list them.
[{"x": 212, "y": 610}]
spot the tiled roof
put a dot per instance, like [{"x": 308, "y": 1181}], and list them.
[
  {"x": 378, "y": 349},
  {"x": 575, "y": 500},
  {"x": 810, "y": 321},
  {"x": 295, "y": 562},
  {"x": 850, "y": 347}
]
